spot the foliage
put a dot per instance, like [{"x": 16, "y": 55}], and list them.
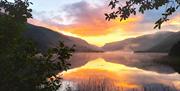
[
  {"x": 22, "y": 67},
  {"x": 131, "y": 7},
  {"x": 18, "y": 10},
  {"x": 175, "y": 50}
]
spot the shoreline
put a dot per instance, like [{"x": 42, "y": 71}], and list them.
[{"x": 173, "y": 62}]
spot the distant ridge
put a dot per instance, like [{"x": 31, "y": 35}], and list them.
[
  {"x": 166, "y": 44},
  {"x": 46, "y": 38},
  {"x": 157, "y": 42}
]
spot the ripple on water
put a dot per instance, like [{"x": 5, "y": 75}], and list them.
[{"x": 100, "y": 75}]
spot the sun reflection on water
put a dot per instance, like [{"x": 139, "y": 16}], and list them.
[{"x": 99, "y": 71}]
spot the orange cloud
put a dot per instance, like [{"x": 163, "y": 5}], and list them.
[
  {"x": 86, "y": 21},
  {"x": 89, "y": 24},
  {"x": 101, "y": 27},
  {"x": 50, "y": 26},
  {"x": 175, "y": 21},
  {"x": 97, "y": 33}
]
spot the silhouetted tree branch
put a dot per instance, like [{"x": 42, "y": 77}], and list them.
[
  {"x": 22, "y": 66},
  {"x": 131, "y": 7}
]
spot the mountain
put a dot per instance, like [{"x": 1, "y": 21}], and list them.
[
  {"x": 46, "y": 38},
  {"x": 148, "y": 42},
  {"x": 166, "y": 44}
]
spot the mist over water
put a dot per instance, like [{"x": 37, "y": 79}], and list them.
[{"x": 119, "y": 71}]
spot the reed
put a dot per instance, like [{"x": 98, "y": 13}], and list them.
[{"x": 104, "y": 84}]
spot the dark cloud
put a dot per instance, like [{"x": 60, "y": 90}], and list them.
[{"x": 87, "y": 19}]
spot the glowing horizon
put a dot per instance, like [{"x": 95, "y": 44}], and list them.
[
  {"x": 98, "y": 40},
  {"x": 85, "y": 19}
]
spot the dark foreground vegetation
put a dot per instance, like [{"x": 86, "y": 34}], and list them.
[
  {"x": 173, "y": 59},
  {"x": 175, "y": 50},
  {"x": 22, "y": 66}
]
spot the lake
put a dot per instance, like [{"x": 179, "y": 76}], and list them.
[{"x": 119, "y": 71}]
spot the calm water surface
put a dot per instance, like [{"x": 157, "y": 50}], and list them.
[{"x": 119, "y": 71}]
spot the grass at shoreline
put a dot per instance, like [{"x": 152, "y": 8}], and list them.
[{"x": 105, "y": 84}]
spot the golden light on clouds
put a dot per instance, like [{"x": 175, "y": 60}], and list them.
[
  {"x": 49, "y": 26},
  {"x": 118, "y": 31},
  {"x": 100, "y": 27},
  {"x": 86, "y": 20},
  {"x": 98, "y": 33},
  {"x": 175, "y": 21}
]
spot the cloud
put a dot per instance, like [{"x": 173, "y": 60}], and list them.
[
  {"x": 174, "y": 23},
  {"x": 89, "y": 20},
  {"x": 86, "y": 20}
]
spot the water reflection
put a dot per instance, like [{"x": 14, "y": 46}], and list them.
[
  {"x": 101, "y": 75},
  {"x": 143, "y": 61}
]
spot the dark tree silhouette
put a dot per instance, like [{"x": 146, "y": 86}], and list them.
[
  {"x": 22, "y": 67},
  {"x": 131, "y": 7},
  {"x": 175, "y": 50}
]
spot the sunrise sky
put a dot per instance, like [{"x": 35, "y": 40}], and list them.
[{"x": 85, "y": 19}]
